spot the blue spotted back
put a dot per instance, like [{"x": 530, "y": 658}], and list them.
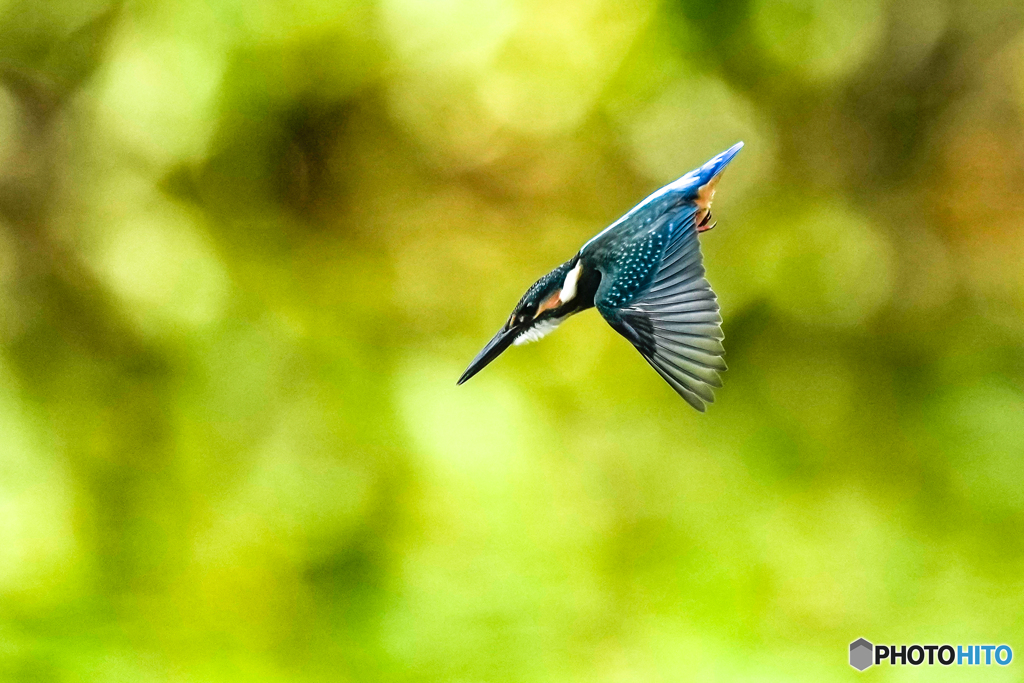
[
  {"x": 629, "y": 268},
  {"x": 628, "y": 264}
]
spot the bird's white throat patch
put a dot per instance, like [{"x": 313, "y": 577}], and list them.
[{"x": 538, "y": 331}]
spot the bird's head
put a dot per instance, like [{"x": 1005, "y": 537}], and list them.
[{"x": 546, "y": 303}]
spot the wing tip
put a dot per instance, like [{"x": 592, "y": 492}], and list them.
[{"x": 699, "y": 403}]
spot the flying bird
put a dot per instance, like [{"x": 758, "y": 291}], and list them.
[{"x": 644, "y": 274}]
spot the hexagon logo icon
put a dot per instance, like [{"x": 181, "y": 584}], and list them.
[{"x": 861, "y": 654}]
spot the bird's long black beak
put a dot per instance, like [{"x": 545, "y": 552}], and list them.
[{"x": 499, "y": 343}]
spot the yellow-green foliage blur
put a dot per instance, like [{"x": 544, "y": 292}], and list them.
[{"x": 247, "y": 247}]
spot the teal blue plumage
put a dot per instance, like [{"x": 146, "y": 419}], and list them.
[{"x": 645, "y": 275}]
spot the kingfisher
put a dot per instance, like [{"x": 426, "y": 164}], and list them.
[{"x": 645, "y": 275}]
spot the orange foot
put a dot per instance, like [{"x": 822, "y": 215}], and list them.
[{"x": 704, "y": 222}]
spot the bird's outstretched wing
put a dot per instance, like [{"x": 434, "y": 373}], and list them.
[{"x": 653, "y": 292}]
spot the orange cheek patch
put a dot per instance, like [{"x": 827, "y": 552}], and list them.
[{"x": 552, "y": 302}]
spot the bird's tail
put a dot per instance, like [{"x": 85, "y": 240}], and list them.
[{"x": 712, "y": 168}]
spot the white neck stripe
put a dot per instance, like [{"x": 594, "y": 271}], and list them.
[{"x": 571, "y": 279}]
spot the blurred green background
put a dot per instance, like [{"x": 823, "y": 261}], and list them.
[{"x": 246, "y": 249}]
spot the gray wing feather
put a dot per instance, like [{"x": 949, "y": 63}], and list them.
[{"x": 674, "y": 319}]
